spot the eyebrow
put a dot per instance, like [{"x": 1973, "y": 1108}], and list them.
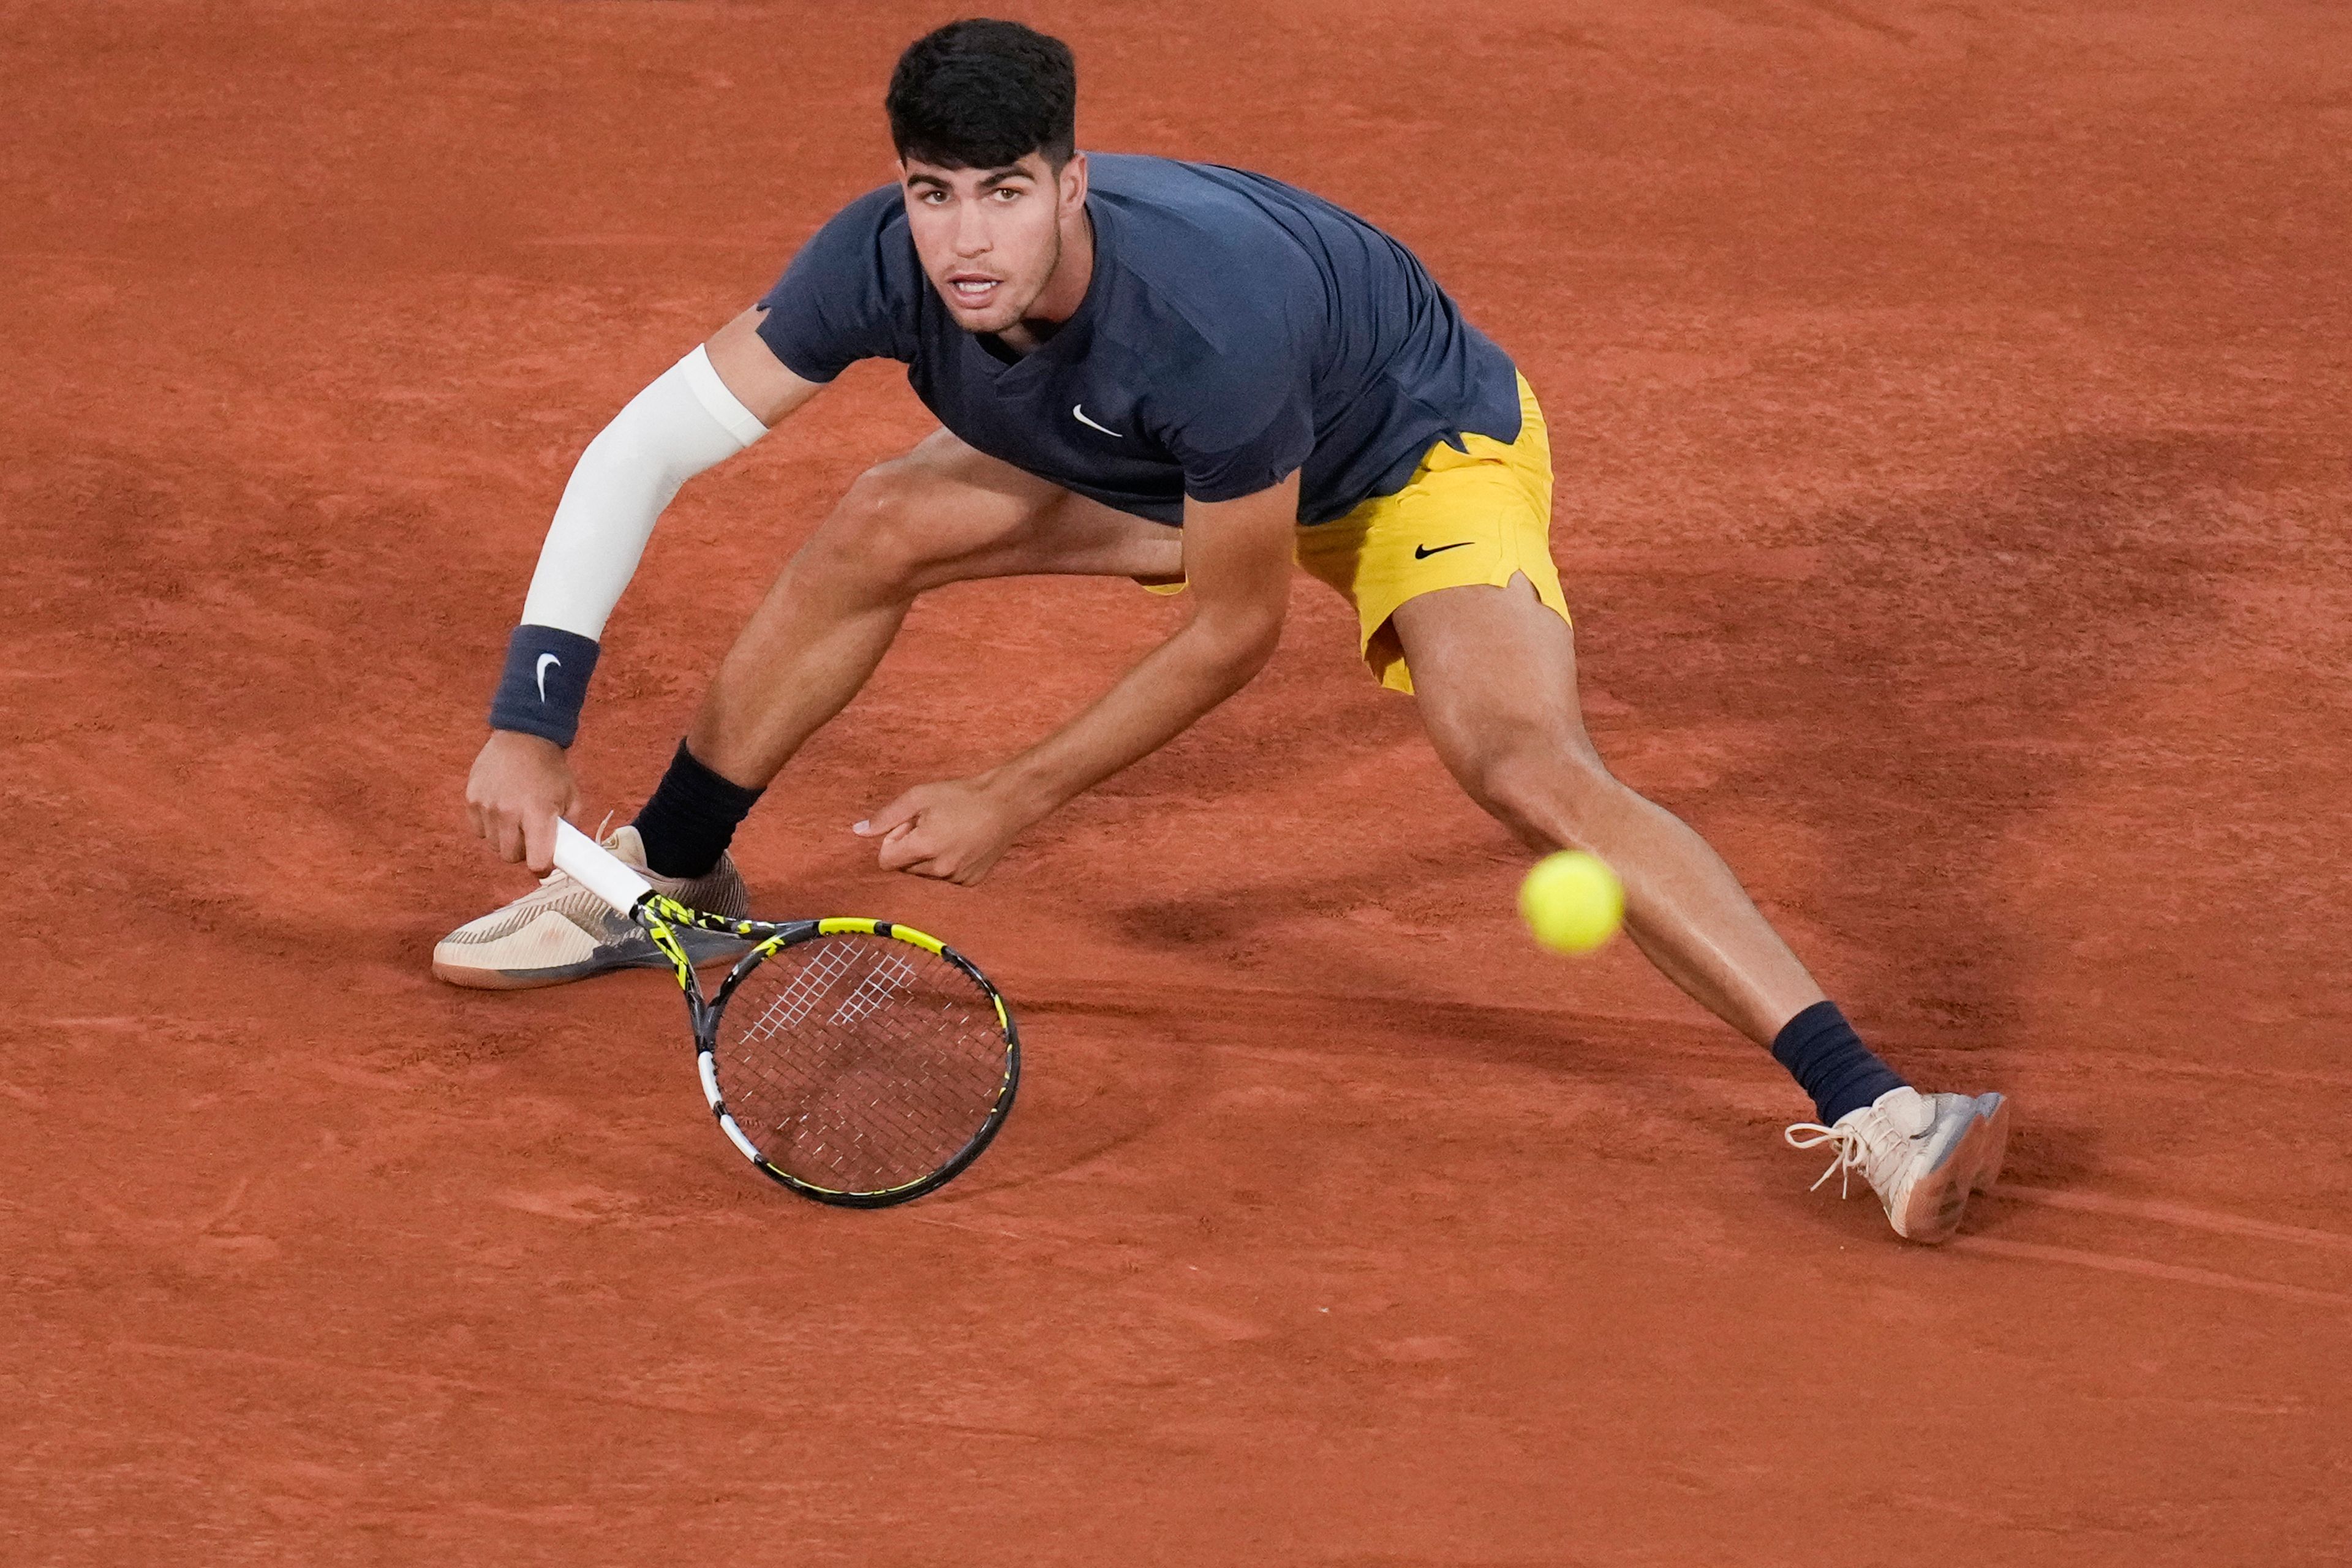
[{"x": 998, "y": 178}]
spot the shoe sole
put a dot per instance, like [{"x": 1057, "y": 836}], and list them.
[
  {"x": 1971, "y": 1164},
  {"x": 563, "y": 975}
]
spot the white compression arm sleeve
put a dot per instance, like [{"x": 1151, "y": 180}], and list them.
[{"x": 682, "y": 424}]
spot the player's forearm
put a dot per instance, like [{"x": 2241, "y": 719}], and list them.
[
  {"x": 683, "y": 422},
  {"x": 686, "y": 421},
  {"x": 1212, "y": 657}
]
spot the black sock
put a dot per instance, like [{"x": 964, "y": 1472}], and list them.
[
  {"x": 690, "y": 819},
  {"x": 1830, "y": 1062}
]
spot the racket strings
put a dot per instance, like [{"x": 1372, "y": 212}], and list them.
[{"x": 860, "y": 1064}]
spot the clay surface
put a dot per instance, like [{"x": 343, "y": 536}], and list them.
[{"x": 1951, "y": 410}]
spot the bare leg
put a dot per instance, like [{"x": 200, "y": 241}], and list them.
[
  {"x": 943, "y": 513},
  {"x": 1495, "y": 675}
]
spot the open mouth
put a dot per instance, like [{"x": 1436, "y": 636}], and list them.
[{"x": 971, "y": 290}]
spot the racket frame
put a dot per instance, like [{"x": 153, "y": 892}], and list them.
[{"x": 660, "y": 917}]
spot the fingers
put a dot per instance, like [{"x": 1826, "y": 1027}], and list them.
[
  {"x": 951, "y": 831},
  {"x": 526, "y": 834},
  {"x": 905, "y": 849},
  {"x": 918, "y": 856},
  {"x": 946, "y": 868},
  {"x": 901, "y": 813},
  {"x": 518, "y": 787},
  {"x": 932, "y": 867},
  {"x": 539, "y": 839}
]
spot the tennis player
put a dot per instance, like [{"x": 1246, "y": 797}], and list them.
[{"x": 1178, "y": 372}]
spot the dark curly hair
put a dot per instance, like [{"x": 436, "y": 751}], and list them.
[{"x": 981, "y": 94}]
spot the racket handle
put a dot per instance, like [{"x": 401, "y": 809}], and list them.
[{"x": 597, "y": 868}]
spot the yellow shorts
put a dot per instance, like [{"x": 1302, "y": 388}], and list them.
[{"x": 1465, "y": 517}]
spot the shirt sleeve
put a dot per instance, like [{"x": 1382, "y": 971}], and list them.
[
  {"x": 1245, "y": 421},
  {"x": 846, "y": 296}
]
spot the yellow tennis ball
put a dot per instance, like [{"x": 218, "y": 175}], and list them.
[{"x": 1572, "y": 901}]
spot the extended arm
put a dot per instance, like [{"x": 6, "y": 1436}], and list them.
[
  {"x": 1237, "y": 557},
  {"x": 701, "y": 411}
]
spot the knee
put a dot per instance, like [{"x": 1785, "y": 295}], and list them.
[
  {"x": 1544, "y": 789},
  {"x": 876, "y": 534}
]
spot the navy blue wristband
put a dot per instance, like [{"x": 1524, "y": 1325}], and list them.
[{"x": 544, "y": 683}]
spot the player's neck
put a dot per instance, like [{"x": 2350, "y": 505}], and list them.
[{"x": 1064, "y": 292}]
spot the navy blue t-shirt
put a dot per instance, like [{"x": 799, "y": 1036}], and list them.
[{"x": 1235, "y": 330}]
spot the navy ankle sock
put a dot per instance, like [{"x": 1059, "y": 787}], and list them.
[
  {"x": 691, "y": 818},
  {"x": 1830, "y": 1062}
]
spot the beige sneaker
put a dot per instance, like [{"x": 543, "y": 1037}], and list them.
[
  {"x": 1923, "y": 1154},
  {"x": 563, "y": 932}
]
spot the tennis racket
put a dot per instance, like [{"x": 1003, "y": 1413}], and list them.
[{"x": 858, "y": 1062}]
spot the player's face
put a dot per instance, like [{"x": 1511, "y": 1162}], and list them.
[{"x": 990, "y": 238}]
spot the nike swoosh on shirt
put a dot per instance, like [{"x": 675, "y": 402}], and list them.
[
  {"x": 1422, "y": 551},
  {"x": 1079, "y": 410},
  {"x": 544, "y": 661}
]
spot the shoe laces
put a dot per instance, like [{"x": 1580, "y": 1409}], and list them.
[{"x": 1861, "y": 1142}]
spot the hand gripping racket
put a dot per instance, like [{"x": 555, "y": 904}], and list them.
[{"x": 856, "y": 1061}]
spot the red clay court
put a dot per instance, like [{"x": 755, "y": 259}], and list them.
[{"x": 1954, "y": 422}]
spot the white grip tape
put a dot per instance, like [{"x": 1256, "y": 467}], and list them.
[{"x": 597, "y": 868}]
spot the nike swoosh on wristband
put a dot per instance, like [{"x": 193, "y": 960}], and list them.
[
  {"x": 544, "y": 661},
  {"x": 1078, "y": 410}
]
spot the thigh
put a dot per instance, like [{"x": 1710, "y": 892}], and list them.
[
  {"x": 1493, "y": 669},
  {"x": 955, "y": 513}
]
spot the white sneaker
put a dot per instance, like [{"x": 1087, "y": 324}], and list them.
[
  {"x": 1923, "y": 1154},
  {"x": 563, "y": 932}
]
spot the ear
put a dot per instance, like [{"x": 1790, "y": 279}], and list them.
[{"x": 1073, "y": 183}]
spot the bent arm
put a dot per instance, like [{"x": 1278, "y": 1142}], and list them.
[
  {"x": 1238, "y": 560},
  {"x": 1237, "y": 557}
]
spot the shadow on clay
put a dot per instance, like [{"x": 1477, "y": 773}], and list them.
[{"x": 1933, "y": 686}]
